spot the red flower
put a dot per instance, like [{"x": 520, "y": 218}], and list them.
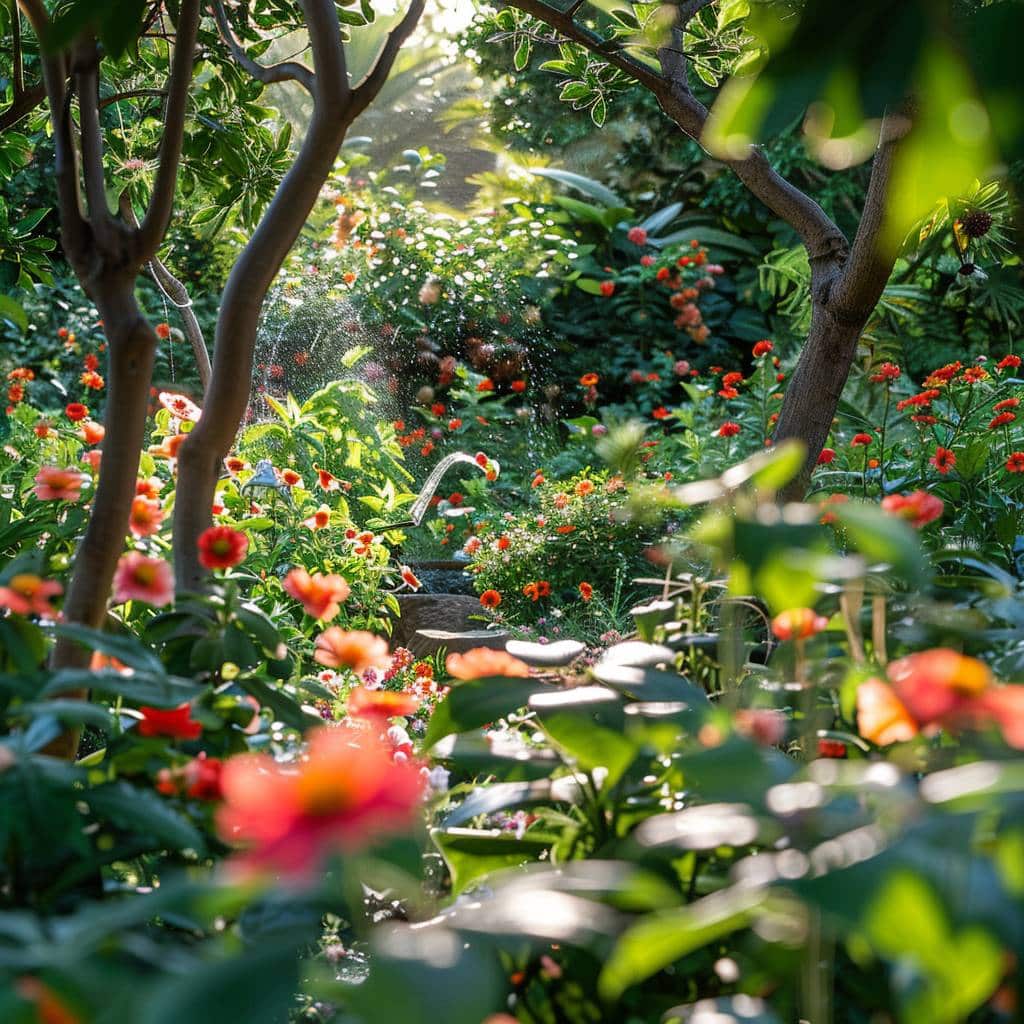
[
  {"x": 518, "y": 386},
  {"x": 437, "y": 409},
  {"x": 327, "y": 481},
  {"x": 607, "y": 289},
  {"x": 798, "y": 624},
  {"x": 943, "y": 459},
  {"x": 91, "y": 379},
  {"x": 637, "y": 235},
  {"x": 202, "y": 777},
  {"x": 221, "y": 547},
  {"x": 826, "y": 456},
  {"x": 861, "y": 439},
  {"x": 661, "y": 413},
  {"x": 919, "y": 508},
  {"x": 1015, "y": 463},
  {"x": 176, "y": 723},
  {"x": 974, "y": 375},
  {"x": 490, "y": 599},
  {"x": 731, "y": 379},
  {"x": 409, "y": 578},
  {"x": 485, "y": 385},
  {"x": 831, "y": 748},
  {"x": 586, "y": 591},
  {"x": 886, "y": 372},
  {"x": 728, "y": 429},
  {"x": 762, "y": 348},
  {"x": 1008, "y": 362},
  {"x": 1001, "y": 419},
  {"x": 454, "y": 424},
  {"x": 163, "y": 331},
  {"x": 1006, "y": 403},
  {"x": 76, "y": 411},
  {"x": 346, "y": 793}
]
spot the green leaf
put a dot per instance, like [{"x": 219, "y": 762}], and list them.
[
  {"x": 126, "y": 649},
  {"x": 285, "y": 708},
  {"x": 12, "y": 312},
  {"x": 881, "y": 537},
  {"x": 472, "y": 854},
  {"x": 143, "y": 810},
  {"x": 661, "y": 938},
  {"x": 522, "y": 55},
  {"x": 68, "y": 712},
  {"x": 581, "y": 183},
  {"x": 143, "y": 688},
  {"x": 471, "y": 705}
]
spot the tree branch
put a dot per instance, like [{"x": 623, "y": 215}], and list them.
[
  {"x": 873, "y": 254},
  {"x": 331, "y": 83},
  {"x": 75, "y": 232},
  {"x": 25, "y": 102},
  {"x": 85, "y": 67},
  {"x": 375, "y": 78},
  {"x": 161, "y": 202},
  {"x": 286, "y": 71},
  {"x": 822, "y": 238},
  {"x": 131, "y": 94},
  {"x": 18, "y": 71}
]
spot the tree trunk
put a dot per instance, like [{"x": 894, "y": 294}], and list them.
[
  {"x": 816, "y": 386},
  {"x": 131, "y": 346},
  {"x": 227, "y": 396}
]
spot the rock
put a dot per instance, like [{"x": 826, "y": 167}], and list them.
[
  {"x": 553, "y": 655},
  {"x": 426, "y": 642},
  {"x": 455, "y": 613}
]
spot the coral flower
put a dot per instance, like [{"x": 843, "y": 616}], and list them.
[
  {"x": 1015, "y": 463},
  {"x": 290, "y": 478},
  {"x": 919, "y": 508},
  {"x": 886, "y": 372},
  {"x": 586, "y": 591},
  {"x": 882, "y": 718},
  {"x": 353, "y": 649},
  {"x": 180, "y": 406},
  {"x": 319, "y": 520},
  {"x": 146, "y": 516},
  {"x": 583, "y": 488},
  {"x": 661, "y": 413},
  {"x": 762, "y": 348},
  {"x": 409, "y": 578},
  {"x": 221, "y": 547},
  {"x": 589, "y": 380},
  {"x": 319, "y": 594},
  {"x": 1001, "y": 420},
  {"x": 826, "y": 456},
  {"x": 728, "y": 429},
  {"x": 176, "y": 723},
  {"x": 347, "y": 792},
  {"x": 364, "y": 703},
  {"x": 490, "y": 599},
  {"x": 92, "y": 380},
  {"x": 861, "y": 439},
  {"x": 798, "y": 624},
  {"x": 1006, "y": 403},
  {"x": 149, "y": 487},
  {"x": 518, "y": 386},
  {"x": 75, "y": 411},
  {"x": 92, "y": 433},
  {"x": 54, "y": 484},
  {"x": 139, "y": 578},
  {"x": 168, "y": 447},
  {"x": 28, "y": 594},
  {"x": 943, "y": 459},
  {"x": 1008, "y": 363},
  {"x": 483, "y": 663},
  {"x": 327, "y": 481},
  {"x": 234, "y": 465},
  {"x": 637, "y": 235}
]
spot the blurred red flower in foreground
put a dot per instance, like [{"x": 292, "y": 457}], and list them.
[
  {"x": 344, "y": 794},
  {"x": 482, "y": 663},
  {"x": 55, "y": 484},
  {"x": 28, "y": 594},
  {"x": 798, "y": 624},
  {"x": 176, "y": 723},
  {"x": 938, "y": 689},
  {"x": 364, "y": 703},
  {"x": 355, "y": 649}
]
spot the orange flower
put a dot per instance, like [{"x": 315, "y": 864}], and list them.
[
  {"x": 490, "y": 599},
  {"x": 91, "y": 379},
  {"x": 798, "y": 624},
  {"x": 918, "y": 508},
  {"x": 234, "y": 465},
  {"x": 882, "y": 718},
  {"x": 320, "y": 595},
  {"x": 589, "y": 380},
  {"x": 933, "y": 684},
  {"x": 353, "y": 649},
  {"x": 568, "y": 528},
  {"x": 290, "y": 478},
  {"x": 92, "y": 433},
  {"x": 319, "y": 520},
  {"x": 168, "y": 447},
  {"x": 483, "y": 663},
  {"x": 146, "y": 516},
  {"x": 143, "y": 579},
  {"x": 409, "y": 578},
  {"x": 586, "y": 591},
  {"x": 583, "y": 488},
  {"x": 364, "y": 703},
  {"x": 327, "y": 481},
  {"x": 28, "y": 594},
  {"x": 220, "y": 547},
  {"x": 54, "y": 484},
  {"x": 343, "y": 795},
  {"x": 149, "y": 488}
]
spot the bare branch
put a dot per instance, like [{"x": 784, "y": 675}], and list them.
[
  {"x": 26, "y": 101},
  {"x": 161, "y": 203},
  {"x": 74, "y": 229},
  {"x": 19, "y": 66},
  {"x": 286, "y": 71},
  {"x": 375, "y": 78},
  {"x": 85, "y": 68},
  {"x": 873, "y": 254},
  {"x": 332, "y": 88}
]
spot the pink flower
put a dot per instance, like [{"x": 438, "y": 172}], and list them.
[
  {"x": 55, "y": 484},
  {"x": 180, "y": 406},
  {"x": 139, "y": 578},
  {"x": 637, "y": 235},
  {"x": 28, "y": 594}
]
